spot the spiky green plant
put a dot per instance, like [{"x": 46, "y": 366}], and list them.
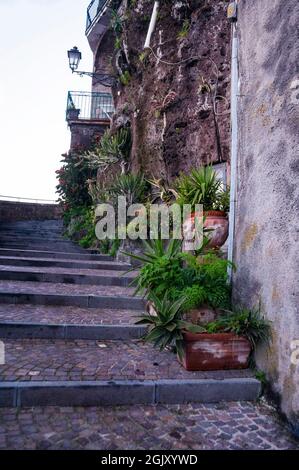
[
  {"x": 166, "y": 326},
  {"x": 112, "y": 148},
  {"x": 201, "y": 186},
  {"x": 247, "y": 322},
  {"x": 132, "y": 187}
]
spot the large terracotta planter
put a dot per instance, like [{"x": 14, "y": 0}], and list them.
[
  {"x": 217, "y": 351},
  {"x": 218, "y": 222}
]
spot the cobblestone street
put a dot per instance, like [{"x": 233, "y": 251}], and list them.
[{"x": 203, "y": 427}]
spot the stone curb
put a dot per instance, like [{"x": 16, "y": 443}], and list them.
[
  {"x": 66, "y": 278},
  {"x": 85, "y": 301},
  {"x": 123, "y": 392},
  {"x": 53, "y": 254},
  {"x": 107, "y": 265},
  {"x": 12, "y": 330}
]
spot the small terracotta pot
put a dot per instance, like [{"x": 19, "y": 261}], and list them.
[
  {"x": 218, "y": 222},
  {"x": 216, "y": 351}
]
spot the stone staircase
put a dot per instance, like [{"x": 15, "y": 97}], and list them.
[{"x": 67, "y": 320}]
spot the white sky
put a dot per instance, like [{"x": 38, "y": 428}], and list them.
[{"x": 34, "y": 79}]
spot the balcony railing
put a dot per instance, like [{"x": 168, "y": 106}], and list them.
[
  {"x": 89, "y": 106},
  {"x": 94, "y": 11}
]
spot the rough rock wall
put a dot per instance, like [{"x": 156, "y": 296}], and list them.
[
  {"x": 171, "y": 107},
  {"x": 266, "y": 238}
]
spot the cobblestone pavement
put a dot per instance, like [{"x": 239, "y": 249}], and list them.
[
  {"x": 39, "y": 359},
  {"x": 232, "y": 426},
  {"x": 65, "y": 315},
  {"x": 67, "y": 289}
]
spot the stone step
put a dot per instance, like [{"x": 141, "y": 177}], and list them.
[
  {"x": 63, "y": 263},
  {"x": 42, "y": 247},
  {"x": 63, "y": 315},
  {"x": 90, "y": 373},
  {"x": 46, "y": 322},
  {"x": 49, "y": 322},
  {"x": 83, "y": 301},
  {"x": 66, "y": 276},
  {"x": 87, "y": 256},
  {"x": 34, "y": 239}
]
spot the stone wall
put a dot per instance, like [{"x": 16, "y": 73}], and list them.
[
  {"x": 266, "y": 237},
  {"x": 167, "y": 96},
  {"x": 11, "y": 211},
  {"x": 83, "y": 133}
]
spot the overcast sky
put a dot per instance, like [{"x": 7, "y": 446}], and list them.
[{"x": 34, "y": 79}]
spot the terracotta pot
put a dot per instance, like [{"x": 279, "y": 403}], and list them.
[
  {"x": 218, "y": 222},
  {"x": 216, "y": 351},
  {"x": 201, "y": 315}
]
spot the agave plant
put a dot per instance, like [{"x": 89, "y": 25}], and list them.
[
  {"x": 166, "y": 325},
  {"x": 200, "y": 187},
  {"x": 112, "y": 148},
  {"x": 132, "y": 187}
]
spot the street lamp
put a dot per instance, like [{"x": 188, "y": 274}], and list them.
[{"x": 74, "y": 56}]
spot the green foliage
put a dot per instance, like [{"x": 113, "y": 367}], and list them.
[
  {"x": 165, "y": 328},
  {"x": 116, "y": 22},
  {"x": 200, "y": 280},
  {"x": 185, "y": 29},
  {"x": 125, "y": 78},
  {"x": 249, "y": 323},
  {"x": 161, "y": 191},
  {"x": 203, "y": 281},
  {"x": 80, "y": 225},
  {"x": 143, "y": 56},
  {"x": 111, "y": 149},
  {"x": 223, "y": 201},
  {"x": 72, "y": 177},
  {"x": 133, "y": 187},
  {"x": 201, "y": 186},
  {"x": 117, "y": 43},
  {"x": 160, "y": 265},
  {"x": 98, "y": 192}
]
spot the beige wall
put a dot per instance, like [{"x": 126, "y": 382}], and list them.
[{"x": 266, "y": 237}]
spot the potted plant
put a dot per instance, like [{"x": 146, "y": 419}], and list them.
[
  {"x": 73, "y": 113},
  {"x": 202, "y": 186},
  {"x": 226, "y": 343}
]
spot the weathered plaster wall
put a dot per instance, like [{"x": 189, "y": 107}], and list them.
[
  {"x": 266, "y": 238},
  {"x": 169, "y": 107}
]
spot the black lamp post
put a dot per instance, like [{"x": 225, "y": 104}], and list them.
[{"x": 74, "y": 56}]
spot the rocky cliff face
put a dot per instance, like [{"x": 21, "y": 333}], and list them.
[{"x": 175, "y": 97}]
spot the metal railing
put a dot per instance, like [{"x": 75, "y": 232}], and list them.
[
  {"x": 27, "y": 199},
  {"x": 95, "y": 10},
  {"x": 84, "y": 105}
]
